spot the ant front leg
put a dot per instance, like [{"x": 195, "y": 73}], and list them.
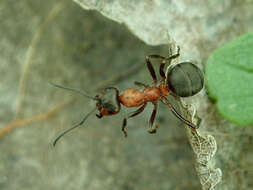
[
  {"x": 131, "y": 115},
  {"x": 152, "y": 118}
]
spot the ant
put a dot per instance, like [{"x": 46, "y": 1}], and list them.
[{"x": 182, "y": 80}]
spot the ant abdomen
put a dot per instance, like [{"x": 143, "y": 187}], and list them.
[{"x": 185, "y": 79}]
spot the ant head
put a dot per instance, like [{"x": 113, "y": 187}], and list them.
[{"x": 108, "y": 102}]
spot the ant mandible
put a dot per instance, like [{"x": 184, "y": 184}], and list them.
[{"x": 183, "y": 80}]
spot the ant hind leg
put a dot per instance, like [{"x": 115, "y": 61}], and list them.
[
  {"x": 162, "y": 64},
  {"x": 151, "y": 69},
  {"x": 179, "y": 116}
]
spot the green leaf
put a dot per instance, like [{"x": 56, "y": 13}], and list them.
[{"x": 229, "y": 79}]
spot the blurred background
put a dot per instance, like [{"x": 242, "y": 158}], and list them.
[{"x": 58, "y": 41}]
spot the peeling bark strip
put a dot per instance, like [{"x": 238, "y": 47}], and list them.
[{"x": 204, "y": 148}]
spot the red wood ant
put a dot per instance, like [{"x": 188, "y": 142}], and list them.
[{"x": 183, "y": 80}]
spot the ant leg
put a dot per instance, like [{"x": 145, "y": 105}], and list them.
[
  {"x": 152, "y": 118},
  {"x": 161, "y": 70},
  {"x": 151, "y": 69},
  {"x": 174, "y": 111},
  {"x": 153, "y": 130},
  {"x": 163, "y": 62},
  {"x": 140, "y": 84},
  {"x": 131, "y": 115}
]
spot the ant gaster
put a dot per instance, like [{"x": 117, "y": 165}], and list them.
[{"x": 183, "y": 80}]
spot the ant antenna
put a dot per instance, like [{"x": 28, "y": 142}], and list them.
[
  {"x": 72, "y": 89},
  {"x": 75, "y": 126}
]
